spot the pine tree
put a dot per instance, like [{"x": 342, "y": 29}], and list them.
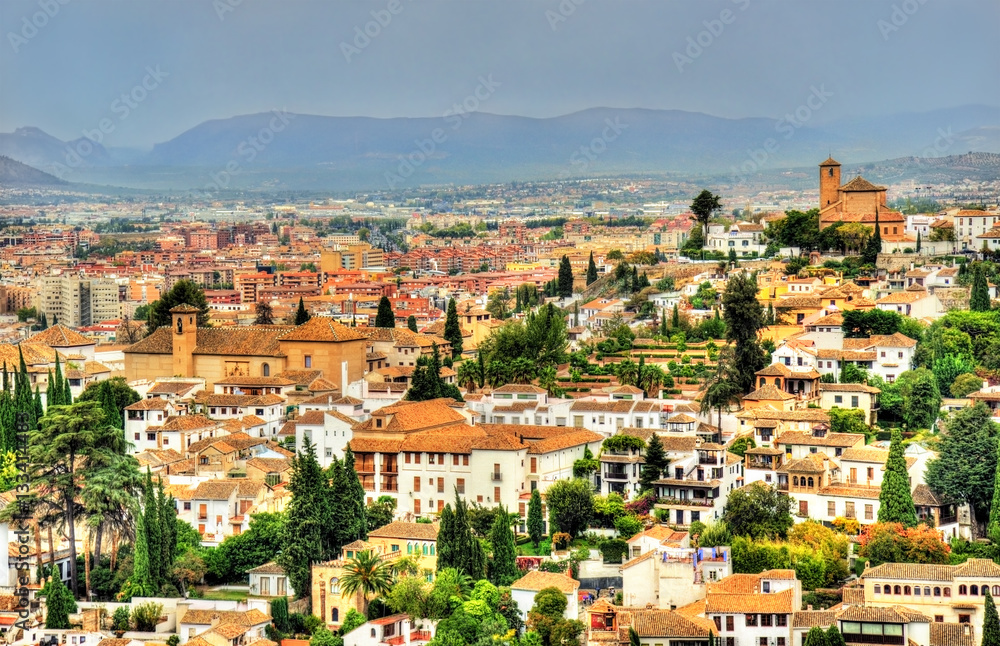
[
  {"x": 301, "y": 314},
  {"x": 140, "y": 583},
  {"x": 167, "y": 518},
  {"x": 895, "y": 499},
  {"x": 452, "y": 329},
  {"x": 591, "y": 270},
  {"x": 356, "y": 521},
  {"x": 411, "y": 323},
  {"x": 385, "y": 317},
  {"x": 503, "y": 565},
  {"x": 58, "y": 389},
  {"x": 307, "y": 512},
  {"x": 67, "y": 397},
  {"x": 536, "y": 523},
  {"x": 991, "y": 622},
  {"x": 565, "y": 278},
  {"x": 656, "y": 464},
  {"x": 979, "y": 300}
]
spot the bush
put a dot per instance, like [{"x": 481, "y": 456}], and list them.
[
  {"x": 628, "y": 526},
  {"x": 613, "y": 550},
  {"x": 559, "y": 567},
  {"x": 120, "y": 621},
  {"x": 145, "y": 616},
  {"x": 561, "y": 540},
  {"x": 697, "y": 527}
]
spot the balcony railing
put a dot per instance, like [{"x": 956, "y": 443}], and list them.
[
  {"x": 497, "y": 477},
  {"x": 872, "y": 639},
  {"x": 709, "y": 460},
  {"x": 612, "y": 475},
  {"x": 782, "y": 486},
  {"x": 687, "y": 502}
]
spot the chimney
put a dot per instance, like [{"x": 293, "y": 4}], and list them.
[{"x": 809, "y": 607}]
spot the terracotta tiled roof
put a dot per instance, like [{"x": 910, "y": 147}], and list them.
[
  {"x": 943, "y": 634},
  {"x": 923, "y": 495},
  {"x": 251, "y": 617},
  {"x": 406, "y": 530},
  {"x": 902, "y": 298},
  {"x": 60, "y": 336},
  {"x": 311, "y": 418},
  {"x": 865, "y": 454},
  {"x": 537, "y": 580},
  {"x": 777, "y": 602},
  {"x": 215, "y": 490},
  {"x": 519, "y": 388},
  {"x": 153, "y": 403},
  {"x": 229, "y": 631},
  {"x": 564, "y": 441},
  {"x": 325, "y": 329},
  {"x": 412, "y": 416},
  {"x": 187, "y": 423},
  {"x": 276, "y": 382},
  {"x": 667, "y": 623},
  {"x": 277, "y": 465},
  {"x": 978, "y": 568},
  {"x": 301, "y": 377},
  {"x": 851, "y": 491},
  {"x": 810, "y": 618},
  {"x": 911, "y": 571},
  {"x": 830, "y": 439},
  {"x": 893, "y": 615},
  {"x": 861, "y": 184},
  {"x": 849, "y": 388},
  {"x": 768, "y": 393}
]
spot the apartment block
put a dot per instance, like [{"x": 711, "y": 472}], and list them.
[{"x": 78, "y": 302}]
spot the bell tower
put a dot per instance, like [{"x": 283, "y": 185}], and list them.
[
  {"x": 829, "y": 182},
  {"x": 184, "y": 338}
]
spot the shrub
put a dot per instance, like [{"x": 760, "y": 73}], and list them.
[
  {"x": 120, "y": 620},
  {"x": 613, "y": 550},
  {"x": 628, "y": 526},
  {"x": 561, "y": 540},
  {"x": 559, "y": 567},
  {"x": 145, "y": 616}
]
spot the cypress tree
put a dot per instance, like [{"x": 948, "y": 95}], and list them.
[
  {"x": 411, "y": 323},
  {"x": 895, "y": 499},
  {"x": 979, "y": 300},
  {"x": 154, "y": 534},
  {"x": 50, "y": 399},
  {"x": 664, "y": 331},
  {"x": 67, "y": 397},
  {"x": 301, "y": 314},
  {"x": 591, "y": 270},
  {"x": 675, "y": 321},
  {"x": 356, "y": 521},
  {"x": 306, "y": 514},
  {"x": 576, "y": 313},
  {"x": 385, "y": 317},
  {"x": 452, "y": 329},
  {"x": 503, "y": 565},
  {"x": 167, "y": 518},
  {"x": 991, "y": 623},
  {"x": 37, "y": 403},
  {"x": 874, "y": 247},
  {"x": 59, "y": 389},
  {"x": 656, "y": 464},
  {"x": 565, "y": 285},
  {"x": 918, "y": 242},
  {"x": 536, "y": 524},
  {"x": 993, "y": 526},
  {"x": 446, "y": 555},
  {"x": 140, "y": 583},
  {"x": 59, "y": 603},
  {"x": 44, "y": 322}
]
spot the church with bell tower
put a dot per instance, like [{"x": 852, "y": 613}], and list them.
[{"x": 856, "y": 201}]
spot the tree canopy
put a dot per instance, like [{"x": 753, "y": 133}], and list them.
[{"x": 183, "y": 292}]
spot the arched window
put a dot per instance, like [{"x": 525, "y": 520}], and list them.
[
  {"x": 878, "y": 589},
  {"x": 425, "y": 549},
  {"x": 927, "y": 590},
  {"x": 334, "y": 586},
  {"x": 373, "y": 632},
  {"x": 810, "y": 482},
  {"x": 963, "y": 589},
  {"x": 409, "y": 548},
  {"x": 763, "y": 382},
  {"x": 984, "y": 589},
  {"x": 795, "y": 480},
  {"x": 432, "y": 549},
  {"x": 335, "y": 615},
  {"x": 916, "y": 591},
  {"x": 265, "y": 370},
  {"x": 897, "y": 590},
  {"x": 937, "y": 592},
  {"x": 947, "y": 592},
  {"x": 906, "y": 590}
]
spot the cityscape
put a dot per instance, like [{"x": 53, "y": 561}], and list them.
[{"x": 573, "y": 323}]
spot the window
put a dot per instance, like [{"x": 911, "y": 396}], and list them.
[
  {"x": 534, "y": 465},
  {"x": 751, "y": 620},
  {"x": 782, "y": 620},
  {"x": 718, "y": 623},
  {"x": 137, "y": 437},
  {"x": 838, "y": 399},
  {"x": 454, "y": 460},
  {"x": 938, "y": 619},
  {"x": 964, "y": 619},
  {"x": 496, "y": 494},
  {"x": 766, "y": 620},
  {"x": 416, "y": 507},
  {"x": 963, "y": 589},
  {"x": 947, "y": 592},
  {"x": 465, "y": 460},
  {"x": 906, "y": 590},
  {"x": 335, "y": 615},
  {"x": 187, "y": 506},
  {"x": 460, "y": 485},
  {"x": 878, "y": 588},
  {"x": 308, "y": 361},
  {"x": 406, "y": 458},
  {"x": 916, "y": 591},
  {"x": 831, "y": 508},
  {"x": 869, "y": 512},
  {"x": 335, "y": 586},
  {"x": 937, "y": 592},
  {"x": 440, "y": 485},
  {"x": 265, "y": 370},
  {"x": 416, "y": 483},
  {"x": 430, "y": 458},
  {"x": 766, "y": 587},
  {"x": 729, "y": 623}
]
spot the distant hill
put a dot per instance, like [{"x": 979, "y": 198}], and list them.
[
  {"x": 947, "y": 169},
  {"x": 295, "y": 152},
  {"x": 14, "y": 174}
]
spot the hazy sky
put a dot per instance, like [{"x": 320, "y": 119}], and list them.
[{"x": 219, "y": 58}]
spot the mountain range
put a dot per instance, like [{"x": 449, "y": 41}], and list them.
[{"x": 295, "y": 151}]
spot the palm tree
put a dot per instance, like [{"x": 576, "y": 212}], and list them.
[
  {"x": 651, "y": 377},
  {"x": 720, "y": 393},
  {"x": 547, "y": 380},
  {"x": 522, "y": 370},
  {"x": 367, "y": 575},
  {"x": 107, "y": 495},
  {"x": 496, "y": 373},
  {"x": 468, "y": 375},
  {"x": 627, "y": 372}
]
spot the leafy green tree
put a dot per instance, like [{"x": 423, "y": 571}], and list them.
[
  {"x": 427, "y": 383},
  {"x": 368, "y": 575},
  {"x": 895, "y": 499},
  {"x": 380, "y": 513},
  {"x": 183, "y": 292},
  {"x": 571, "y": 505},
  {"x": 308, "y": 514},
  {"x": 503, "y": 566},
  {"x": 264, "y": 314},
  {"x": 411, "y": 323},
  {"x": 965, "y": 385},
  {"x": 536, "y": 524},
  {"x": 384, "y": 317},
  {"x": 565, "y": 278},
  {"x": 921, "y": 397},
  {"x": 979, "y": 299},
  {"x": 452, "y": 329},
  {"x": 591, "y": 270},
  {"x": 758, "y": 511},
  {"x": 993, "y": 525},
  {"x": 833, "y": 635},
  {"x": 848, "y": 420},
  {"x": 816, "y": 637},
  {"x": 991, "y": 622},
  {"x": 323, "y": 637},
  {"x": 59, "y": 604},
  {"x": 851, "y": 373},
  {"x": 874, "y": 247},
  {"x": 254, "y": 547},
  {"x": 947, "y": 369},
  {"x": 655, "y": 465},
  {"x": 965, "y": 469},
  {"x": 744, "y": 318},
  {"x": 741, "y": 445}
]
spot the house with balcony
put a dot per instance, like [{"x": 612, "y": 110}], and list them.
[
  {"x": 270, "y": 580},
  {"x": 767, "y": 424},
  {"x": 394, "y": 630},
  {"x": 742, "y": 237},
  {"x": 697, "y": 489}
]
